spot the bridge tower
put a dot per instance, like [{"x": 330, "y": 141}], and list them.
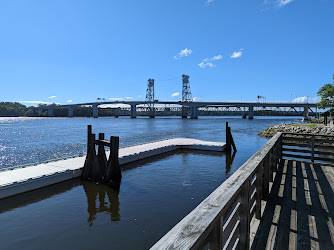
[
  {"x": 186, "y": 94},
  {"x": 150, "y": 96}
]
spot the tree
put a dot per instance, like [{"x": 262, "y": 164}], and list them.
[{"x": 327, "y": 95}]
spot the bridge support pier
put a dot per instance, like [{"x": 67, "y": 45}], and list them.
[
  {"x": 184, "y": 111},
  {"x": 250, "y": 112},
  {"x": 306, "y": 112},
  {"x": 40, "y": 111},
  {"x": 95, "y": 111},
  {"x": 117, "y": 112},
  {"x": 133, "y": 111},
  {"x": 244, "y": 116},
  {"x": 193, "y": 112},
  {"x": 70, "y": 111},
  {"x": 50, "y": 112}
]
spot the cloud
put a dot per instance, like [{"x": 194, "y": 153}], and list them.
[
  {"x": 182, "y": 53},
  {"x": 208, "y": 64},
  {"x": 38, "y": 102},
  {"x": 305, "y": 99},
  {"x": 196, "y": 99},
  {"x": 128, "y": 98},
  {"x": 237, "y": 54},
  {"x": 115, "y": 98},
  {"x": 175, "y": 94},
  {"x": 209, "y": 1},
  {"x": 282, "y": 3},
  {"x": 52, "y": 96},
  {"x": 69, "y": 101}
]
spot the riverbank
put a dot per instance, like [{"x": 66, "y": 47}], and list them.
[{"x": 297, "y": 128}]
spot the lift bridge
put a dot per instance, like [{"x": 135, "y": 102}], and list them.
[{"x": 188, "y": 107}]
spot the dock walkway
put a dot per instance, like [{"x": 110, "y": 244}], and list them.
[
  {"x": 28, "y": 178},
  {"x": 300, "y": 209}
]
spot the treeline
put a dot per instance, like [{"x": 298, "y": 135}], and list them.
[{"x": 16, "y": 109}]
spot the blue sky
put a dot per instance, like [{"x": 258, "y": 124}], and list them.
[{"x": 79, "y": 50}]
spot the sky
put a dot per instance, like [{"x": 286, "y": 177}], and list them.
[{"x": 75, "y": 51}]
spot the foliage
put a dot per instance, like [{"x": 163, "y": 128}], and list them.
[{"x": 327, "y": 95}]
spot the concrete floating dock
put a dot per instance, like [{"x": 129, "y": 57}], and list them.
[{"x": 20, "y": 180}]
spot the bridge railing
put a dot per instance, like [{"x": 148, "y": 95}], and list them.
[{"x": 222, "y": 220}]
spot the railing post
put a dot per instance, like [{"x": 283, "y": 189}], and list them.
[
  {"x": 215, "y": 237},
  {"x": 271, "y": 164},
  {"x": 265, "y": 183},
  {"x": 259, "y": 191},
  {"x": 244, "y": 216},
  {"x": 312, "y": 148}
]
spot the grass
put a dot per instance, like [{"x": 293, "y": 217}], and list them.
[{"x": 310, "y": 125}]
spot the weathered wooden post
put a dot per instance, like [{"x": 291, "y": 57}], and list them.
[
  {"x": 101, "y": 155},
  {"x": 265, "y": 183},
  {"x": 89, "y": 138},
  {"x": 312, "y": 148},
  {"x": 228, "y": 138},
  {"x": 244, "y": 216},
  {"x": 113, "y": 173}
]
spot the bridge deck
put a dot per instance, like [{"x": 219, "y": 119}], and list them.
[
  {"x": 20, "y": 180},
  {"x": 300, "y": 210}
]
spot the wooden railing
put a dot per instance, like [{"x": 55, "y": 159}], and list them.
[
  {"x": 308, "y": 147},
  {"x": 222, "y": 220}
]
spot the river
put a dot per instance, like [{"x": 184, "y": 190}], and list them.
[{"x": 154, "y": 194}]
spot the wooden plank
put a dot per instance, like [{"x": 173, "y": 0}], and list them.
[
  {"x": 296, "y": 145},
  {"x": 323, "y": 147},
  {"x": 323, "y": 159},
  {"x": 307, "y": 134},
  {"x": 297, "y": 156},
  {"x": 297, "y": 150},
  {"x": 320, "y": 141},
  {"x": 323, "y": 152},
  {"x": 288, "y": 139}
]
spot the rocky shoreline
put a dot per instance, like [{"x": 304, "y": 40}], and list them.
[{"x": 271, "y": 130}]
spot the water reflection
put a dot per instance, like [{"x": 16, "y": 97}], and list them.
[
  {"x": 229, "y": 161},
  {"x": 96, "y": 193}
]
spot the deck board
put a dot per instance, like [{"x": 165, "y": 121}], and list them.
[{"x": 299, "y": 212}]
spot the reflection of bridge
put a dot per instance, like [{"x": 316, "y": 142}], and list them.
[{"x": 191, "y": 107}]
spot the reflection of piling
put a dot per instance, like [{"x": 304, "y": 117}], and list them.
[
  {"x": 229, "y": 140},
  {"x": 94, "y": 192},
  {"x": 97, "y": 167}
]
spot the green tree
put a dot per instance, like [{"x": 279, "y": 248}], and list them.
[{"x": 326, "y": 93}]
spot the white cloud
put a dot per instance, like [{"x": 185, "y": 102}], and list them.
[
  {"x": 115, "y": 98},
  {"x": 38, "y": 102},
  {"x": 216, "y": 58},
  {"x": 128, "y": 98},
  {"x": 204, "y": 65},
  {"x": 282, "y": 3},
  {"x": 175, "y": 94},
  {"x": 69, "y": 101},
  {"x": 237, "y": 54},
  {"x": 182, "y": 53},
  {"x": 305, "y": 99},
  {"x": 196, "y": 99},
  {"x": 52, "y": 96},
  {"x": 209, "y": 1}
]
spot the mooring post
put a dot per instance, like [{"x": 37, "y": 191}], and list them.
[
  {"x": 101, "y": 155},
  {"x": 89, "y": 138},
  {"x": 116, "y": 174},
  {"x": 228, "y": 138}
]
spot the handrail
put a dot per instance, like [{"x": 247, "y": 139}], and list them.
[{"x": 223, "y": 218}]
